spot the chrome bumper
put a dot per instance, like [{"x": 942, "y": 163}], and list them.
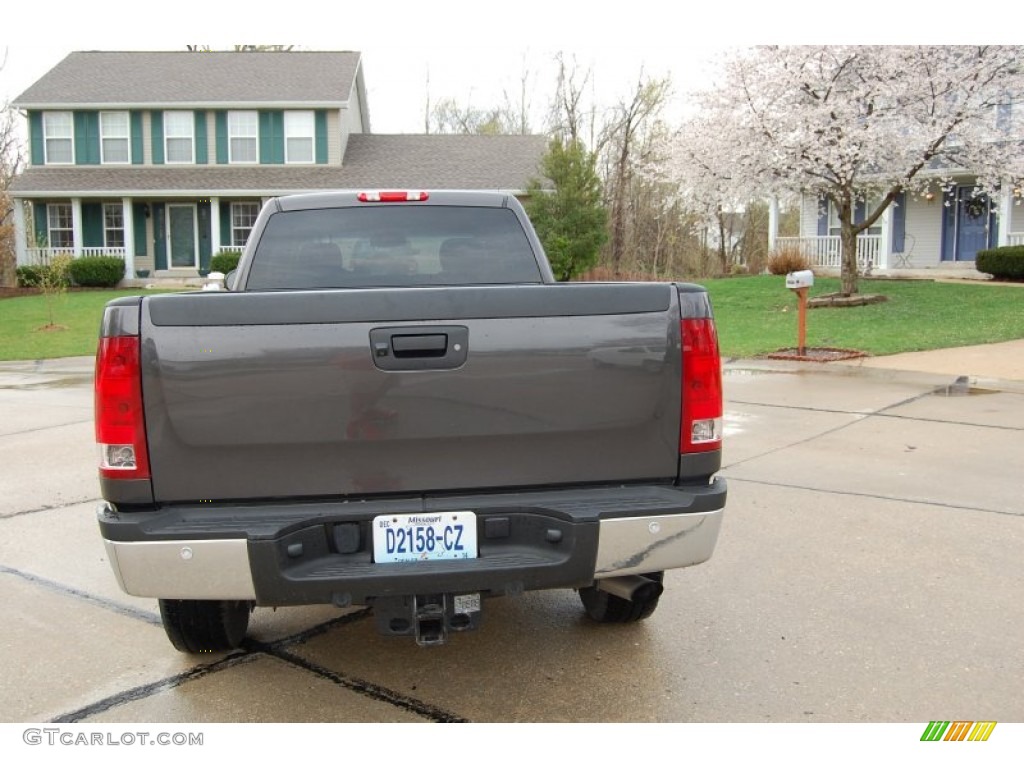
[
  {"x": 210, "y": 569},
  {"x": 219, "y": 569},
  {"x": 648, "y": 544}
]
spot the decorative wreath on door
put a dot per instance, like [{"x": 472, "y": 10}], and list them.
[{"x": 976, "y": 208}]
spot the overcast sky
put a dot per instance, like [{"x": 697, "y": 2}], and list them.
[{"x": 471, "y": 51}]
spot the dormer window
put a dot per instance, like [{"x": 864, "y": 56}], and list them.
[
  {"x": 114, "y": 138},
  {"x": 59, "y": 133},
  {"x": 243, "y": 137},
  {"x": 179, "y": 137},
  {"x": 299, "y": 132}
]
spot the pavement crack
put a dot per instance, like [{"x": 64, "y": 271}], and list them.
[
  {"x": 860, "y": 417},
  {"x": 278, "y": 650},
  {"x": 151, "y": 689},
  {"x": 877, "y": 496},
  {"x": 48, "y": 507},
  {"x": 67, "y": 591},
  {"x": 21, "y": 432},
  {"x": 369, "y": 689}
]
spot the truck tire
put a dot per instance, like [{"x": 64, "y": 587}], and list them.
[
  {"x": 205, "y": 626},
  {"x": 610, "y": 609}
]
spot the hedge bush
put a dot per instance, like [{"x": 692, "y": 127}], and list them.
[
  {"x": 1005, "y": 263},
  {"x": 225, "y": 261},
  {"x": 97, "y": 271},
  {"x": 30, "y": 276},
  {"x": 35, "y": 275}
]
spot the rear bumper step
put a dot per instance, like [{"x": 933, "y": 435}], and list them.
[{"x": 305, "y": 553}]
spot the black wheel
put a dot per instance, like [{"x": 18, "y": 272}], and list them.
[
  {"x": 611, "y": 609},
  {"x": 205, "y": 626}
]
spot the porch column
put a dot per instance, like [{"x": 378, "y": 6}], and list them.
[
  {"x": 76, "y": 224},
  {"x": 215, "y": 243},
  {"x": 129, "y": 237},
  {"x": 20, "y": 239},
  {"x": 773, "y": 222},
  {"x": 1005, "y": 213},
  {"x": 885, "y": 246}
]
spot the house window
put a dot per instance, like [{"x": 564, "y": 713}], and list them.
[
  {"x": 113, "y": 225},
  {"x": 243, "y": 218},
  {"x": 60, "y": 226},
  {"x": 243, "y": 137},
  {"x": 59, "y": 133},
  {"x": 835, "y": 228},
  {"x": 179, "y": 131},
  {"x": 1004, "y": 116},
  {"x": 114, "y": 138},
  {"x": 298, "y": 137}
]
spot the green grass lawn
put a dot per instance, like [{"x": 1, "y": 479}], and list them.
[
  {"x": 756, "y": 315},
  {"x": 22, "y": 319}
]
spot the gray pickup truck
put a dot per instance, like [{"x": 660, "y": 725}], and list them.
[{"x": 394, "y": 404}]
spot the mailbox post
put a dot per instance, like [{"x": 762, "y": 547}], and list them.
[{"x": 800, "y": 282}]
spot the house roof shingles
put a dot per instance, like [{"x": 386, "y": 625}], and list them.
[
  {"x": 136, "y": 78},
  {"x": 371, "y": 162}
]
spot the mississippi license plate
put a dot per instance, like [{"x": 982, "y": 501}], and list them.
[{"x": 431, "y": 536}]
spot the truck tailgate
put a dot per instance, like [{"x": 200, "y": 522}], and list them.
[{"x": 411, "y": 390}]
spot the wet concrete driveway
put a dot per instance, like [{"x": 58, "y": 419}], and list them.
[{"x": 869, "y": 569}]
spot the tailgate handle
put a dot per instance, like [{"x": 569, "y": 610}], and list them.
[
  {"x": 419, "y": 348},
  {"x": 419, "y": 345}
]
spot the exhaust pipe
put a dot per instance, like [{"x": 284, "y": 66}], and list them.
[{"x": 632, "y": 588}]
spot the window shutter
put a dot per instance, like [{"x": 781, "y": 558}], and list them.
[
  {"x": 139, "y": 228},
  {"x": 948, "y": 224},
  {"x": 87, "y": 138},
  {"x": 35, "y": 129},
  {"x": 136, "y": 133},
  {"x": 272, "y": 137},
  {"x": 92, "y": 225},
  {"x": 159, "y": 242},
  {"x": 220, "y": 121},
  {"x": 157, "y": 132},
  {"x": 42, "y": 229},
  {"x": 320, "y": 122},
  {"x": 225, "y": 224},
  {"x": 205, "y": 225},
  {"x": 266, "y": 138},
  {"x": 202, "y": 150},
  {"x": 899, "y": 223}
]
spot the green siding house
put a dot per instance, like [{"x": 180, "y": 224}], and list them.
[{"x": 165, "y": 158}]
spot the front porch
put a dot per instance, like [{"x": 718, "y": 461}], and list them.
[
  {"x": 157, "y": 238},
  {"x": 938, "y": 229}
]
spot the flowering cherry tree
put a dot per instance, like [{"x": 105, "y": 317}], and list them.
[{"x": 853, "y": 124}]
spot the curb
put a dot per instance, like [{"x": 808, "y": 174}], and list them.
[{"x": 920, "y": 378}]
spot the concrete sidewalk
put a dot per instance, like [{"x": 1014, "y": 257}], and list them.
[
  {"x": 997, "y": 366},
  {"x": 1004, "y": 360}
]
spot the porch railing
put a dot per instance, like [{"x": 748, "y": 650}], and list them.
[
  {"x": 42, "y": 256},
  {"x": 1015, "y": 238},
  {"x": 827, "y": 251}
]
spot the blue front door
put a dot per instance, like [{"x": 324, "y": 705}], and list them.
[{"x": 970, "y": 225}]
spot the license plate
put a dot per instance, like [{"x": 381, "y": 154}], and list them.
[{"x": 416, "y": 538}]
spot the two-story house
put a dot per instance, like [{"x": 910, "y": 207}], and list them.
[{"x": 165, "y": 158}]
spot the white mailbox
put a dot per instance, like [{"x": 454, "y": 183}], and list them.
[{"x": 802, "y": 279}]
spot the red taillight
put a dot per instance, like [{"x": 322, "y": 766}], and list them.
[
  {"x": 701, "y": 428},
  {"x": 392, "y": 197},
  {"x": 120, "y": 425}
]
